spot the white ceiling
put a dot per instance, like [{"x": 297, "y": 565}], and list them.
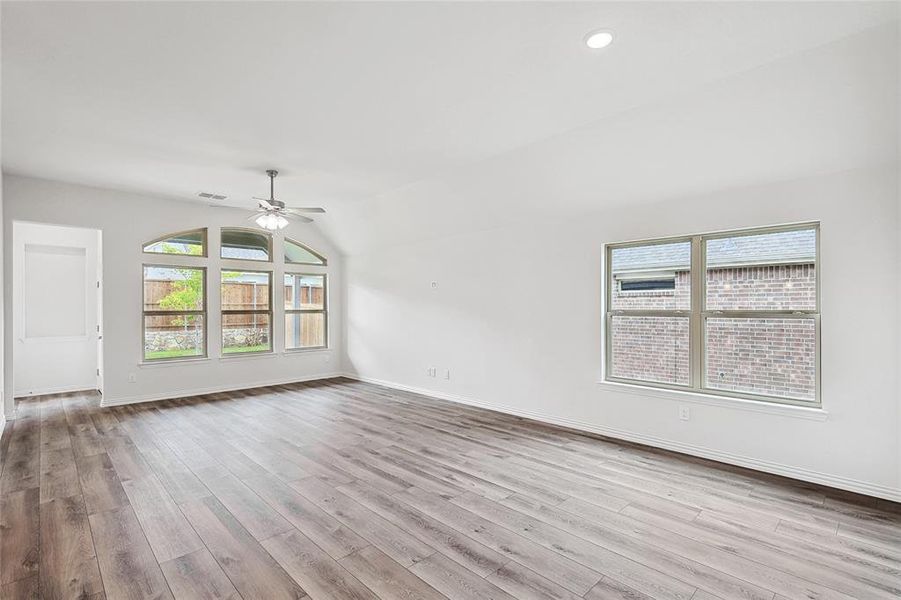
[{"x": 385, "y": 112}]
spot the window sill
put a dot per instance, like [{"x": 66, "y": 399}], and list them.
[
  {"x": 785, "y": 410},
  {"x": 237, "y": 355},
  {"x": 306, "y": 350},
  {"x": 173, "y": 362}
]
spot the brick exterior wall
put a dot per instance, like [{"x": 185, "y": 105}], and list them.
[
  {"x": 774, "y": 287},
  {"x": 651, "y": 349},
  {"x": 765, "y": 356}
]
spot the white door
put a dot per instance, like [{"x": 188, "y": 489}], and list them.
[{"x": 55, "y": 308}]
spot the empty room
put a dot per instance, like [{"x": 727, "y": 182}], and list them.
[{"x": 457, "y": 300}]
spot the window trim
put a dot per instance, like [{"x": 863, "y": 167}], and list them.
[
  {"x": 223, "y": 312},
  {"x": 162, "y": 313},
  {"x": 269, "y": 245},
  {"x": 698, "y": 315},
  {"x": 204, "y": 241},
  {"x": 323, "y": 311},
  {"x": 288, "y": 240}
]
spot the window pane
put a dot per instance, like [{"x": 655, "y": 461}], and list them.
[
  {"x": 245, "y": 290},
  {"x": 173, "y": 288},
  {"x": 189, "y": 242},
  {"x": 650, "y": 349},
  {"x": 304, "y": 330},
  {"x": 245, "y": 244},
  {"x": 773, "y": 357},
  {"x": 770, "y": 271},
  {"x": 245, "y": 333},
  {"x": 297, "y": 253},
  {"x": 651, "y": 277},
  {"x": 304, "y": 292},
  {"x": 173, "y": 336}
]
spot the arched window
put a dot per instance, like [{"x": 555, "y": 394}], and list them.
[
  {"x": 175, "y": 307},
  {"x": 301, "y": 254},
  {"x": 190, "y": 243},
  {"x": 245, "y": 244}
]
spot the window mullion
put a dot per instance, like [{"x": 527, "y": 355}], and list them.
[{"x": 696, "y": 338}]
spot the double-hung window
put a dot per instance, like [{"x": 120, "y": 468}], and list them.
[
  {"x": 246, "y": 299},
  {"x": 732, "y": 314},
  {"x": 306, "y": 311},
  {"x": 174, "y": 320}
]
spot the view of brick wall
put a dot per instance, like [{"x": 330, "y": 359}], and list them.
[
  {"x": 651, "y": 348},
  {"x": 771, "y": 287},
  {"x": 764, "y": 356}
]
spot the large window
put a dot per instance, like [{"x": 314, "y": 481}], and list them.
[
  {"x": 174, "y": 312},
  {"x": 733, "y": 313},
  {"x": 306, "y": 316},
  {"x": 246, "y": 299}
]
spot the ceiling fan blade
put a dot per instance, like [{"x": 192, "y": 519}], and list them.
[
  {"x": 264, "y": 204},
  {"x": 300, "y": 218},
  {"x": 310, "y": 209}
]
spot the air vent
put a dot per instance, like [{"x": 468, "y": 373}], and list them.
[{"x": 211, "y": 196}]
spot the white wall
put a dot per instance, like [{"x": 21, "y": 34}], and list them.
[
  {"x": 126, "y": 220},
  {"x": 509, "y": 349},
  {"x": 55, "y": 315},
  {"x": 5, "y": 408},
  {"x": 812, "y": 136}
]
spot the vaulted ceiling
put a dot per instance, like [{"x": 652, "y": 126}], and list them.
[{"x": 407, "y": 120}]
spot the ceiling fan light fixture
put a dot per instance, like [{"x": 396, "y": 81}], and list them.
[
  {"x": 272, "y": 221},
  {"x": 273, "y": 215}
]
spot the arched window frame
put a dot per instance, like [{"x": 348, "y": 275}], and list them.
[
  {"x": 269, "y": 248},
  {"x": 204, "y": 240},
  {"x": 319, "y": 255},
  {"x": 201, "y": 263}
]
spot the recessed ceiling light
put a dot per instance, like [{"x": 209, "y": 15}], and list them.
[{"x": 598, "y": 39}]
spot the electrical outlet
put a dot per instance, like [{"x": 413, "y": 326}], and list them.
[
  {"x": 447, "y": 373},
  {"x": 684, "y": 413},
  {"x": 132, "y": 378}
]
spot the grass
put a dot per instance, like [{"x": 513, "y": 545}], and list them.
[
  {"x": 179, "y": 353},
  {"x": 172, "y": 353},
  {"x": 243, "y": 349}
]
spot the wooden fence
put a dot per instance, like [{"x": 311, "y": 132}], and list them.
[{"x": 243, "y": 296}]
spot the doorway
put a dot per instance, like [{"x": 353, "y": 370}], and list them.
[{"x": 57, "y": 325}]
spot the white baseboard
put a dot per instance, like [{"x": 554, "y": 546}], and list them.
[
  {"x": 122, "y": 400},
  {"x": 63, "y": 389},
  {"x": 843, "y": 483}
]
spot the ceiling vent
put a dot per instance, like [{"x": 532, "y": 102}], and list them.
[{"x": 211, "y": 196}]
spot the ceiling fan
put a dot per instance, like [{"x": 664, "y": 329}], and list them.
[{"x": 272, "y": 214}]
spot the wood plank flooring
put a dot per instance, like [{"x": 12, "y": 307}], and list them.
[{"x": 341, "y": 490}]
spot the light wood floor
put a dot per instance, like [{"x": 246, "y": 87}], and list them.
[{"x": 344, "y": 490}]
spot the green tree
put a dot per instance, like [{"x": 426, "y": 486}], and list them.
[{"x": 186, "y": 293}]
